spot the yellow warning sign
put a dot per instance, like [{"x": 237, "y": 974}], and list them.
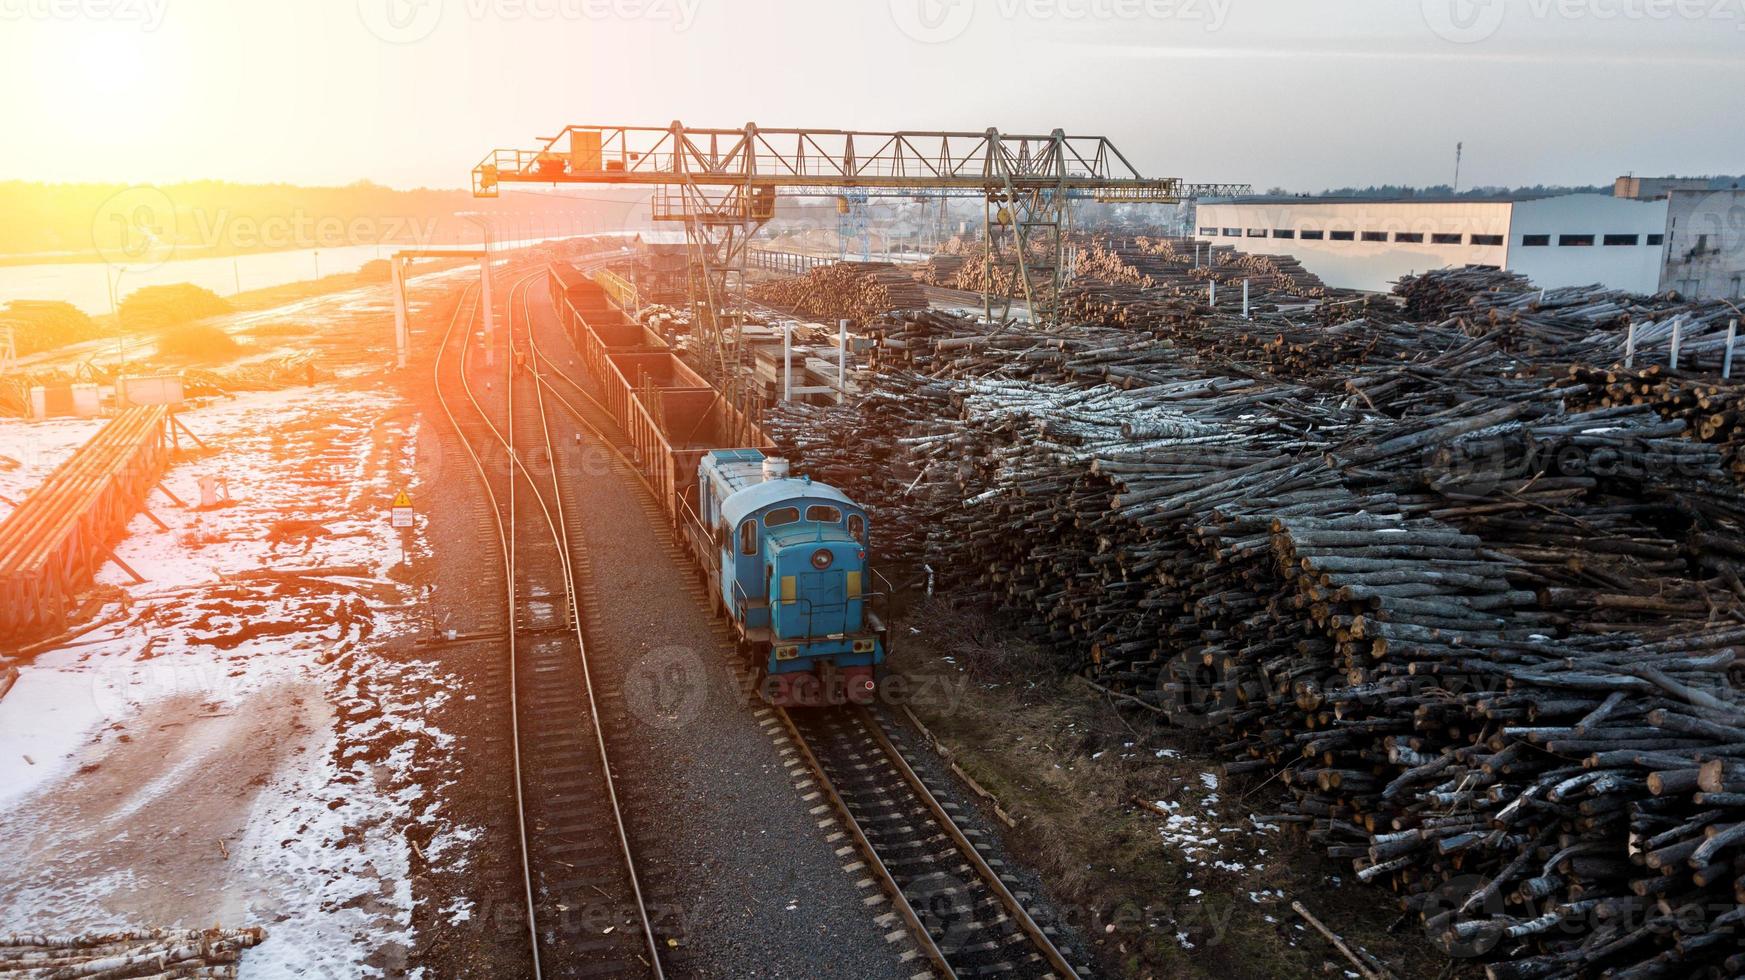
[{"x": 401, "y": 500}]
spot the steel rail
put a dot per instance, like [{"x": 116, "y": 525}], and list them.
[
  {"x": 508, "y": 550},
  {"x": 505, "y": 549},
  {"x": 960, "y": 841},
  {"x": 560, "y": 533},
  {"x": 1015, "y": 908},
  {"x": 868, "y": 852}
]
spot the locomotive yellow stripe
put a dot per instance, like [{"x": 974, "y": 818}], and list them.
[
  {"x": 854, "y": 585},
  {"x": 788, "y": 588}
]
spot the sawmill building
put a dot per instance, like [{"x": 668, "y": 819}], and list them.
[{"x": 1362, "y": 243}]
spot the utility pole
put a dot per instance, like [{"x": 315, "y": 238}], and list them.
[
  {"x": 1457, "y": 148},
  {"x": 483, "y": 221}
]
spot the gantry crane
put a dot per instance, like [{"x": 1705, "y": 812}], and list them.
[{"x": 722, "y": 184}]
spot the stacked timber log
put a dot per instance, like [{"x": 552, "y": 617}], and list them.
[
  {"x": 1582, "y": 323},
  {"x": 940, "y": 269},
  {"x": 1485, "y": 636},
  {"x": 1145, "y": 283},
  {"x": 155, "y": 953},
  {"x": 857, "y": 291},
  {"x": 1712, "y": 411},
  {"x": 962, "y": 264},
  {"x": 1446, "y": 292},
  {"x": 1276, "y": 273},
  {"x": 1112, "y": 261}
]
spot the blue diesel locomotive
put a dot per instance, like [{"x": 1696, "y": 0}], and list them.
[{"x": 786, "y": 563}]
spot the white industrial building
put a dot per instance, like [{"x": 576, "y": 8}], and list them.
[
  {"x": 1570, "y": 240},
  {"x": 1705, "y": 243}
]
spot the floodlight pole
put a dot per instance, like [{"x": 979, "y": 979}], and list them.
[{"x": 483, "y": 221}]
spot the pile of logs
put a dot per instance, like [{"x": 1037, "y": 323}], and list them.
[
  {"x": 156, "y": 953},
  {"x": 1485, "y": 634},
  {"x": 1446, "y": 292},
  {"x": 1582, "y": 323},
  {"x": 1280, "y": 273},
  {"x": 1712, "y": 411},
  {"x": 857, "y": 291},
  {"x": 940, "y": 269}
]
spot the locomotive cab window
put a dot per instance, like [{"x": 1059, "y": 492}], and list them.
[
  {"x": 748, "y": 538},
  {"x": 857, "y": 528},
  {"x": 780, "y": 516},
  {"x": 823, "y": 514}
]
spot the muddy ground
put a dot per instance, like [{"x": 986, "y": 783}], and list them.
[{"x": 1172, "y": 869}]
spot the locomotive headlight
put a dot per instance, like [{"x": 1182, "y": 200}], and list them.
[{"x": 822, "y": 558}]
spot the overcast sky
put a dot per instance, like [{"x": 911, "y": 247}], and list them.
[{"x": 1300, "y": 93}]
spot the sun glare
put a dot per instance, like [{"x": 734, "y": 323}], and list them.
[{"x": 111, "y": 64}]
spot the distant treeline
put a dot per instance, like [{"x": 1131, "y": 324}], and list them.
[
  {"x": 1396, "y": 191},
  {"x": 123, "y": 223}
]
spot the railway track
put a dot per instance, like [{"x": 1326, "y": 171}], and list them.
[
  {"x": 585, "y": 911},
  {"x": 955, "y": 900},
  {"x": 957, "y": 905}
]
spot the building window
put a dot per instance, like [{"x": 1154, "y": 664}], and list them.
[
  {"x": 1342, "y": 236},
  {"x": 1415, "y": 237},
  {"x": 1487, "y": 239},
  {"x": 1622, "y": 239},
  {"x": 1283, "y": 233},
  {"x": 1576, "y": 240},
  {"x": 1375, "y": 236},
  {"x": 1535, "y": 239},
  {"x": 1257, "y": 233},
  {"x": 1444, "y": 238},
  {"x": 1314, "y": 236},
  {"x": 1232, "y": 233},
  {"x": 1208, "y": 232},
  {"x": 1656, "y": 239}
]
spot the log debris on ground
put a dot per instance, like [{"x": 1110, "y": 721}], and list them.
[
  {"x": 157, "y": 953},
  {"x": 1437, "y": 565}
]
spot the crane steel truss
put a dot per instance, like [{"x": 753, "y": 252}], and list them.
[{"x": 722, "y": 184}]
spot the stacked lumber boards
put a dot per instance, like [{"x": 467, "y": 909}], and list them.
[
  {"x": 158, "y": 953},
  {"x": 856, "y": 291},
  {"x": 59, "y": 536},
  {"x": 812, "y": 352},
  {"x": 1486, "y": 639}
]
